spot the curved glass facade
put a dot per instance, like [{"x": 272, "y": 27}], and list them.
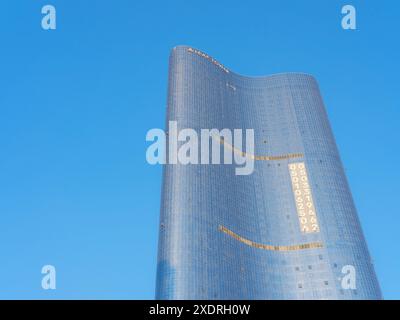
[{"x": 290, "y": 229}]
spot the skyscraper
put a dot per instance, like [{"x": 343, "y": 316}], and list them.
[{"x": 290, "y": 229}]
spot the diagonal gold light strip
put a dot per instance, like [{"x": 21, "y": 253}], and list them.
[
  {"x": 261, "y": 158},
  {"x": 311, "y": 245}
]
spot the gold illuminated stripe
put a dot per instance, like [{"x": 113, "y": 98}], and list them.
[
  {"x": 206, "y": 56},
  {"x": 311, "y": 245},
  {"x": 261, "y": 158}
]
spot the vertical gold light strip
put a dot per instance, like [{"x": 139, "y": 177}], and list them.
[{"x": 303, "y": 198}]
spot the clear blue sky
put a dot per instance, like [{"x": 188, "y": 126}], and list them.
[{"x": 76, "y": 103}]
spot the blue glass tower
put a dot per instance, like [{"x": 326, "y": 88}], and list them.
[{"x": 290, "y": 229}]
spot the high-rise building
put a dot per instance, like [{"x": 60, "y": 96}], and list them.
[{"x": 290, "y": 229}]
